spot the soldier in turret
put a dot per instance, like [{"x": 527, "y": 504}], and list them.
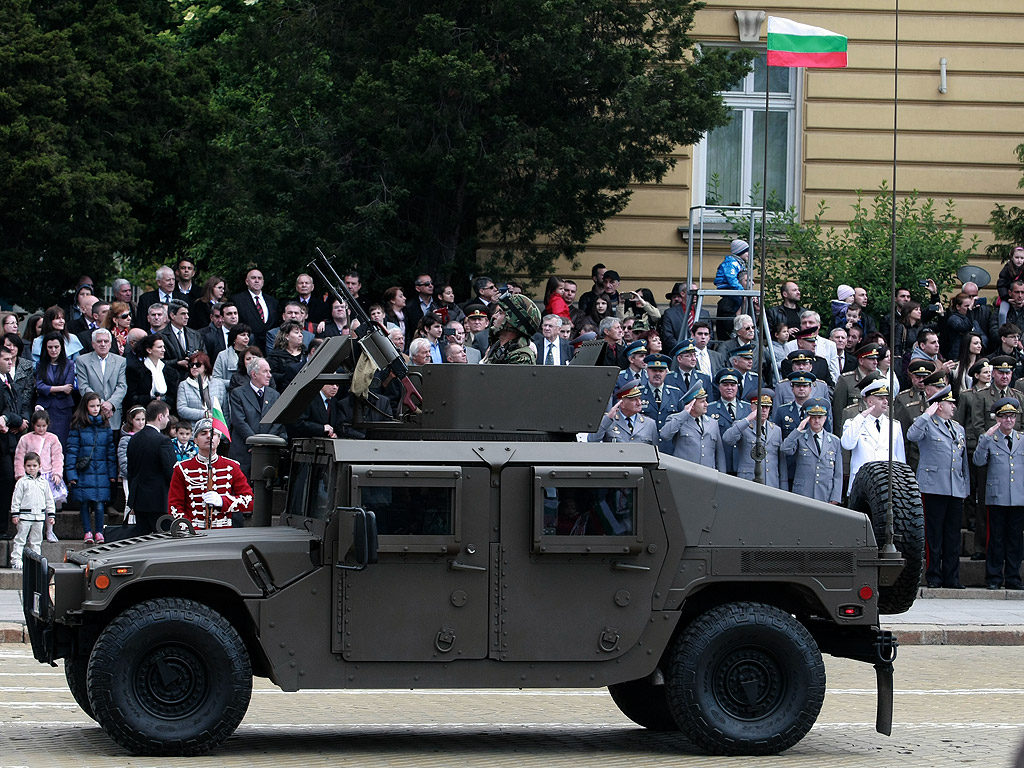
[{"x": 516, "y": 319}]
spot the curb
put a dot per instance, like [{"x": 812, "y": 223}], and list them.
[
  {"x": 933, "y": 634},
  {"x": 13, "y": 632}
]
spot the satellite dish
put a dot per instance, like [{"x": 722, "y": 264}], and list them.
[{"x": 972, "y": 274}]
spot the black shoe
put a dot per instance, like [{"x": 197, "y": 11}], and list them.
[
  {"x": 978, "y": 556},
  {"x": 1015, "y": 586},
  {"x": 993, "y": 586},
  {"x": 934, "y": 585},
  {"x": 954, "y": 585}
]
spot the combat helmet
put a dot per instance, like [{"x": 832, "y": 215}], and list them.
[{"x": 521, "y": 314}]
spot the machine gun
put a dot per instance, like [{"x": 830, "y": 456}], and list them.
[{"x": 370, "y": 336}]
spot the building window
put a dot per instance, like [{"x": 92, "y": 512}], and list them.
[{"x": 729, "y": 163}]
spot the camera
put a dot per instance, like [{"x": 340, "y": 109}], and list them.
[
  {"x": 923, "y": 283},
  {"x": 448, "y": 332}
]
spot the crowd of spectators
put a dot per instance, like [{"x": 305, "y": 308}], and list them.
[{"x": 204, "y": 350}]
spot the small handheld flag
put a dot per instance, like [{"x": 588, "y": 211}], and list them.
[{"x": 218, "y": 420}]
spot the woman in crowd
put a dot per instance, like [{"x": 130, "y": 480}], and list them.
[
  {"x": 119, "y": 322},
  {"x": 958, "y": 322},
  {"x": 239, "y": 377},
  {"x": 56, "y": 384},
  {"x": 239, "y": 339},
  {"x": 654, "y": 343},
  {"x": 908, "y": 328},
  {"x": 197, "y": 393},
  {"x": 92, "y": 462},
  {"x": 213, "y": 294},
  {"x": 9, "y": 323},
  {"x": 149, "y": 378},
  {"x": 971, "y": 348},
  {"x": 288, "y": 355},
  {"x": 33, "y": 328},
  {"x": 602, "y": 308},
  {"x": 554, "y": 299},
  {"x": 444, "y": 298},
  {"x": 394, "y": 306},
  {"x": 79, "y": 308},
  {"x": 23, "y": 371},
  {"x": 55, "y": 322}
]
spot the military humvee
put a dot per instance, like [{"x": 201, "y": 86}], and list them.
[{"x": 478, "y": 544}]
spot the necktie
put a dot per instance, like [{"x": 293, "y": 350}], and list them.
[
  {"x": 1009, "y": 442},
  {"x": 700, "y": 425},
  {"x": 949, "y": 426},
  {"x": 817, "y": 441},
  {"x": 259, "y": 309},
  {"x": 732, "y": 411},
  {"x": 549, "y": 356},
  {"x": 686, "y": 382},
  {"x": 167, "y": 298},
  {"x": 259, "y": 394},
  {"x": 657, "y": 396},
  {"x": 878, "y": 424},
  {"x": 629, "y": 423},
  {"x": 181, "y": 341}
]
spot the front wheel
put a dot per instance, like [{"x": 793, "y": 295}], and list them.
[
  {"x": 74, "y": 673},
  {"x": 745, "y": 679},
  {"x": 169, "y": 677}
]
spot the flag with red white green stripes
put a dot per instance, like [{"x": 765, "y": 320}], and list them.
[
  {"x": 791, "y": 44},
  {"x": 218, "y": 420}
]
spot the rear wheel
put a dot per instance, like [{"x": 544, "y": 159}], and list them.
[
  {"x": 644, "y": 703},
  {"x": 745, "y": 679},
  {"x": 169, "y": 677},
  {"x": 870, "y": 495}
]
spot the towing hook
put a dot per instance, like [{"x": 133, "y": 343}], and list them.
[{"x": 886, "y": 645}]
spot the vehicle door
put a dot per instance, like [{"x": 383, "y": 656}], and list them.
[{"x": 426, "y": 597}]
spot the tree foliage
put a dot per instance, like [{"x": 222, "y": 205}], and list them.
[
  {"x": 402, "y": 136},
  {"x": 1008, "y": 222},
  {"x": 929, "y": 244},
  {"x": 94, "y": 124}
]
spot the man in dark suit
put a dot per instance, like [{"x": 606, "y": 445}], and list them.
[
  {"x": 322, "y": 417},
  {"x": 166, "y": 290},
  {"x": 13, "y": 415},
  {"x": 150, "y": 466},
  {"x": 248, "y": 404},
  {"x": 256, "y": 309},
  {"x": 180, "y": 341},
  {"x": 422, "y": 305},
  {"x": 552, "y": 349},
  {"x": 215, "y": 336},
  {"x": 97, "y": 315},
  {"x": 317, "y": 310}
]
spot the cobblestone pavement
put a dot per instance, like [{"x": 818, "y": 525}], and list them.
[{"x": 954, "y": 706}]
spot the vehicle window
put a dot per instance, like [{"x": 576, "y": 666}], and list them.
[
  {"x": 572, "y": 511},
  {"x": 309, "y": 492},
  {"x": 410, "y": 510}
]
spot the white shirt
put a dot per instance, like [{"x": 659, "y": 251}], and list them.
[
  {"x": 826, "y": 350},
  {"x": 704, "y": 361},
  {"x": 257, "y": 298},
  {"x": 555, "y": 352},
  {"x": 866, "y": 442}
]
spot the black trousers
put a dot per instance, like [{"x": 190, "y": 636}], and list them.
[
  {"x": 1005, "y": 546},
  {"x": 976, "y": 505},
  {"x": 6, "y": 489},
  {"x": 942, "y": 518}
]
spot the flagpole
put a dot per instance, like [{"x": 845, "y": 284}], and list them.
[{"x": 759, "y": 449}]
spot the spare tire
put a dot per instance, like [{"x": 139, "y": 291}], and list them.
[{"x": 870, "y": 495}]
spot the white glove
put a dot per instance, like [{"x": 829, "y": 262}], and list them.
[{"x": 213, "y": 499}]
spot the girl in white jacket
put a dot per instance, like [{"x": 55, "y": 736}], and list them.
[{"x": 31, "y": 505}]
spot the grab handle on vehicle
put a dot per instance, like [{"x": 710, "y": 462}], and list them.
[{"x": 618, "y": 565}]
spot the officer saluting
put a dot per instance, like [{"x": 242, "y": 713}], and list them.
[
  {"x": 1000, "y": 449},
  {"x": 943, "y": 475},
  {"x": 743, "y": 435},
  {"x": 818, "y": 472},
  {"x": 727, "y": 409},
  {"x": 624, "y": 423},
  {"x": 693, "y": 435}
]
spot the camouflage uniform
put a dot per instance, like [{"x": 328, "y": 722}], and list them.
[{"x": 522, "y": 317}]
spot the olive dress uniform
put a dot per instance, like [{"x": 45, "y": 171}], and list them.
[
  {"x": 909, "y": 406},
  {"x": 819, "y": 473},
  {"x": 943, "y": 476},
  {"x": 1004, "y": 495}
]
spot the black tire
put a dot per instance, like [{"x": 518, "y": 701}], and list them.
[
  {"x": 169, "y": 677},
  {"x": 870, "y": 495},
  {"x": 74, "y": 672},
  {"x": 745, "y": 679},
  {"x": 644, "y": 703}
]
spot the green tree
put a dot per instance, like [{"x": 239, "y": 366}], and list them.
[
  {"x": 403, "y": 135},
  {"x": 1008, "y": 222},
  {"x": 94, "y": 128},
  {"x": 929, "y": 244}
]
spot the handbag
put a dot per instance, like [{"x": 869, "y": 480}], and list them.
[{"x": 83, "y": 462}]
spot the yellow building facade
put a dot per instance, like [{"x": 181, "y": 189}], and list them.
[{"x": 960, "y": 116}]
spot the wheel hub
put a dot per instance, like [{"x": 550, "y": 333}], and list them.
[
  {"x": 171, "y": 682},
  {"x": 748, "y": 684}
]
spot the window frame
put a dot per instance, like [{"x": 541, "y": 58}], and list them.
[
  {"x": 753, "y": 101},
  {"x": 560, "y": 476}
]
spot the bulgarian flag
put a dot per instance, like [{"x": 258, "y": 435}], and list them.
[
  {"x": 791, "y": 44},
  {"x": 218, "y": 420}
]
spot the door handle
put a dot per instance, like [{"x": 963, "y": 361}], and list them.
[
  {"x": 618, "y": 565},
  {"x": 455, "y": 565}
]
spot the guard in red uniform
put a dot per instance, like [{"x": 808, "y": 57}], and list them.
[{"x": 216, "y": 496}]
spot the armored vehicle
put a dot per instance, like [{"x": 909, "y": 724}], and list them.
[{"x": 475, "y": 543}]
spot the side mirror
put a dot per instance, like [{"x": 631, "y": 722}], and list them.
[{"x": 364, "y": 538}]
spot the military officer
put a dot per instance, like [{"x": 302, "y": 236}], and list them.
[
  {"x": 635, "y": 353},
  {"x": 1001, "y": 451},
  {"x": 624, "y": 423},
  {"x": 817, "y": 455},
  {"x": 743, "y": 435},
  {"x": 516, "y": 319},
  {"x": 866, "y": 435},
  {"x": 913, "y": 401},
  {"x": 943, "y": 476},
  {"x": 727, "y": 409},
  {"x": 790, "y": 413},
  {"x": 686, "y": 373},
  {"x": 742, "y": 359},
  {"x": 966, "y": 413},
  {"x": 867, "y": 363},
  {"x": 693, "y": 435},
  {"x": 801, "y": 361},
  {"x": 660, "y": 399}
]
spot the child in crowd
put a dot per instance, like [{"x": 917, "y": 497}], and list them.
[
  {"x": 134, "y": 420},
  {"x": 31, "y": 504},
  {"x": 1012, "y": 271},
  {"x": 45, "y": 444},
  {"x": 92, "y": 462},
  {"x": 184, "y": 447},
  {"x": 840, "y": 305}
]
